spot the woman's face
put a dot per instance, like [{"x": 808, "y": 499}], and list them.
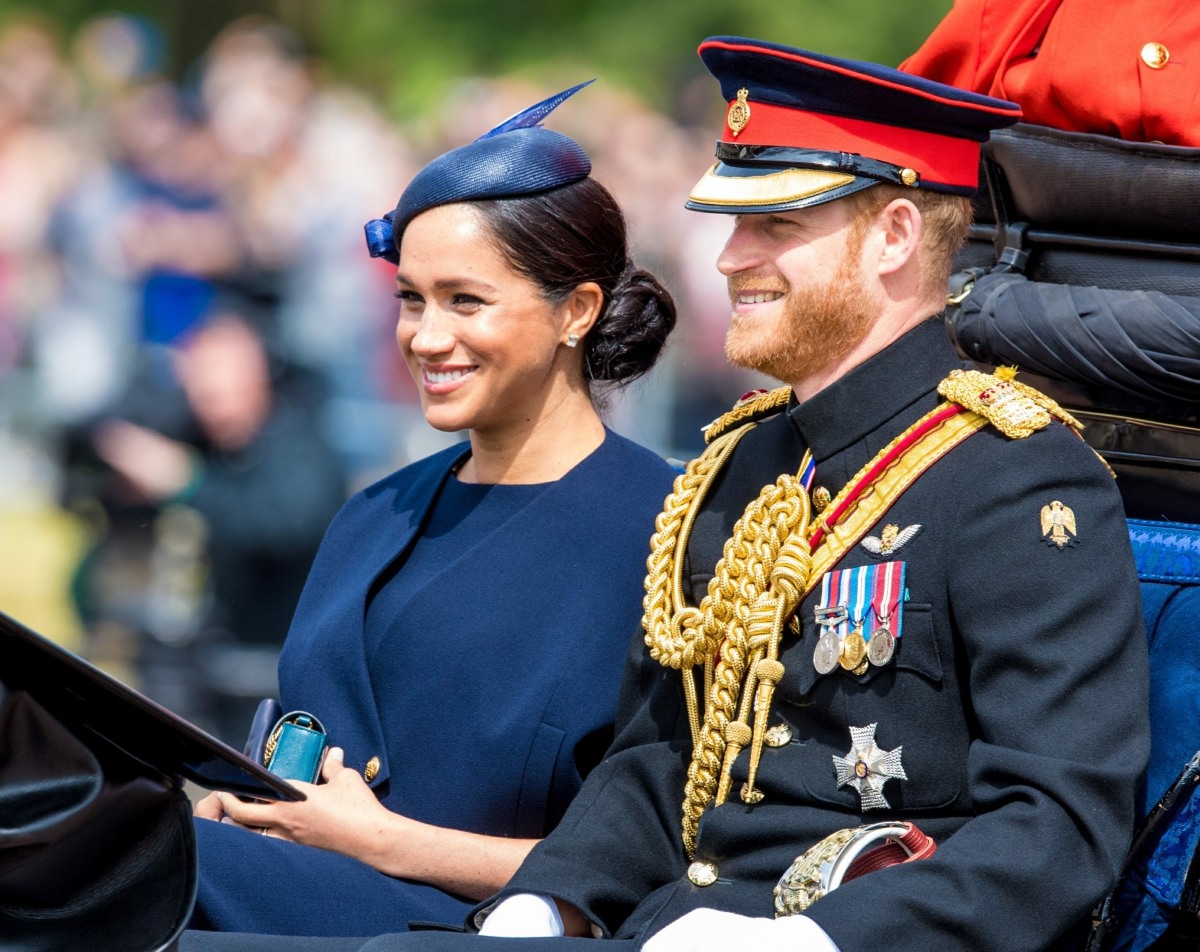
[{"x": 484, "y": 347}]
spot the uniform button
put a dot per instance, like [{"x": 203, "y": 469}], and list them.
[
  {"x": 780, "y": 735},
  {"x": 1155, "y": 55},
  {"x": 702, "y": 874},
  {"x": 371, "y": 770}
]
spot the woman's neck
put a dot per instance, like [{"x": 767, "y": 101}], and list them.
[{"x": 539, "y": 451}]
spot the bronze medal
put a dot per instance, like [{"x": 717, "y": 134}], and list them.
[
  {"x": 881, "y": 647},
  {"x": 854, "y": 651},
  {"x": 826, "y": 653}
]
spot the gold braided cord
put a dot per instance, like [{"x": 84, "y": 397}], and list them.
[
  {"x": 765, "y": 571},
  {"x": 673, "y": 629},
  {"x": 750, "y": 409},
  {"x": 751, "y": 594}
]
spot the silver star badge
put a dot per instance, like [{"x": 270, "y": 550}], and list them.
[{"x": 867, "y": 768}]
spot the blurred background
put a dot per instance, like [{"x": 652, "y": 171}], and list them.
[{"x": 183, "y": 280}]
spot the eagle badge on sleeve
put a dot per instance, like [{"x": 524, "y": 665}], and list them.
[{"x": 1058, "y": 524}]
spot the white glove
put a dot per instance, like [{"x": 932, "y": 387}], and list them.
[
  {"x": 523, "y": 916},
  {"x": 708, "y": 930}
]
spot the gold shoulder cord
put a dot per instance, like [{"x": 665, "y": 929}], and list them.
[{"x": 766, "y": 568}]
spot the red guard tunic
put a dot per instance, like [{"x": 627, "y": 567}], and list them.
[{"x": 1129, "y": 70}]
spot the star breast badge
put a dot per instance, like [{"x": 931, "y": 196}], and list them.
[
  {"x": 866, "y": 767},
  {"x": 1058, "y": 524}
]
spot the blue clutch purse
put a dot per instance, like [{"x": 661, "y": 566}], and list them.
[{"x": 295, "y": 747}]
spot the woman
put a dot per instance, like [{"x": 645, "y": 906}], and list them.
[{"x": 462, "y": 632}]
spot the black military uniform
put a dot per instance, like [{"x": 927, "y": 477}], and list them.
[{"x": 1017, "y": 693}]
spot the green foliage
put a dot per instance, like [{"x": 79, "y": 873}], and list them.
[
  {"x": 410, "y": 52},
  {"x": 644, "y": 45}
]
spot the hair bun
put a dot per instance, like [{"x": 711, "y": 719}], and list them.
[{"x": 630, "y": 334}]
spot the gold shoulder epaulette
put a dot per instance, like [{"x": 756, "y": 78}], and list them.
[
  {"x": 751, "y": 408},
  {"x": 1013, "y": 408}
]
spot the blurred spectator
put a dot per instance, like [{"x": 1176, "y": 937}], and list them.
[
  {"x": 308, "y": 164},
  {"x": 37, "y": 164},
  {"x": 241, "y": 491}
]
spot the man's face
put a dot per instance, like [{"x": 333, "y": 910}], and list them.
[{"x": 798, "y": 290}]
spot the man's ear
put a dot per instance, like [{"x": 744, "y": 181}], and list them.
[{"x": 900, "y": 233}]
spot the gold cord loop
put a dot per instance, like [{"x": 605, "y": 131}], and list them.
[
  {"x": 766, "y": 568},
  {"x": 757, "y": 584}
]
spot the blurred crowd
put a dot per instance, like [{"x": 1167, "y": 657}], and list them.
[{"x": 197, "y": 361}]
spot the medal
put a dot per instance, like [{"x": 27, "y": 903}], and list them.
[
  {"x": 854, "y": 651},
  {"x": 882, "y": 645},
  {"x": 829, "y": 618},
  {"x": 887, "y": 585},
  {"x": 856, "y": 589},
  {"x": 826, "y": 653}
]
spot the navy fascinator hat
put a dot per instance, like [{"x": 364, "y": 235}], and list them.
[{"x": 516, "y": 158}]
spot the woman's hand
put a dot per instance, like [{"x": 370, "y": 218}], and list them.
[
  {"x": 342, "y": 814},
  {"x": 209, "y": 808}
]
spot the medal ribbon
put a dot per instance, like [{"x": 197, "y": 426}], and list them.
[
  {"x": 885, "y": 597},
  {"x": 809, "y": 475},
  {"x": 827, "y": 589},
  {"x": 861, "y": 595}
]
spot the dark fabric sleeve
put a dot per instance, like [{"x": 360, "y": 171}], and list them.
[
  {"x": 620, "y": 839},
  {"x": 1052, "y": 650},
  {"x": 1142, "y": 343}
]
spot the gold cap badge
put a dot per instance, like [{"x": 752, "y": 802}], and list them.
[{"x": 739, "y": 112}]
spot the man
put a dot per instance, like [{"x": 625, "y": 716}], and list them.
[{"x": 952, "y": 640}]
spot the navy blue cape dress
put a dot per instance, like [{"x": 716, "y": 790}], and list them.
[{"x": 485, "y": 680}]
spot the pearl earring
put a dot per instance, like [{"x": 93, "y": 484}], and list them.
[{"x": 572, "y": 340}]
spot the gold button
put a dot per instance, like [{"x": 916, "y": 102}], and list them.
[
  {"x": 702, "y": 874},
  {"x": 909, "y": 176},
  {"x": 779, "y": 735},
  {"x": 371, "y": 770},
  {"x": 1155, "y": 55}
]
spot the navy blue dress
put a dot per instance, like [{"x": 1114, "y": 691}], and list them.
[{"x": 471, "y": 639}]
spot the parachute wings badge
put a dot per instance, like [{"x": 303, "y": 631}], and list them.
[
  {"x": 889, "y": 540},
  {"x": 1058, "y": 524}
]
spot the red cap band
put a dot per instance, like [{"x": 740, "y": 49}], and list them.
[{"x": 936, "y": 158}]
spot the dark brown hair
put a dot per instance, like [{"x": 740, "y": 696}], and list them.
[{"x": 574, "y": 234}]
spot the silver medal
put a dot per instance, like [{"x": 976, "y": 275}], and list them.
[
  {"x": 881, "y": 647},
  {"x": 826, "y": 653}
]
